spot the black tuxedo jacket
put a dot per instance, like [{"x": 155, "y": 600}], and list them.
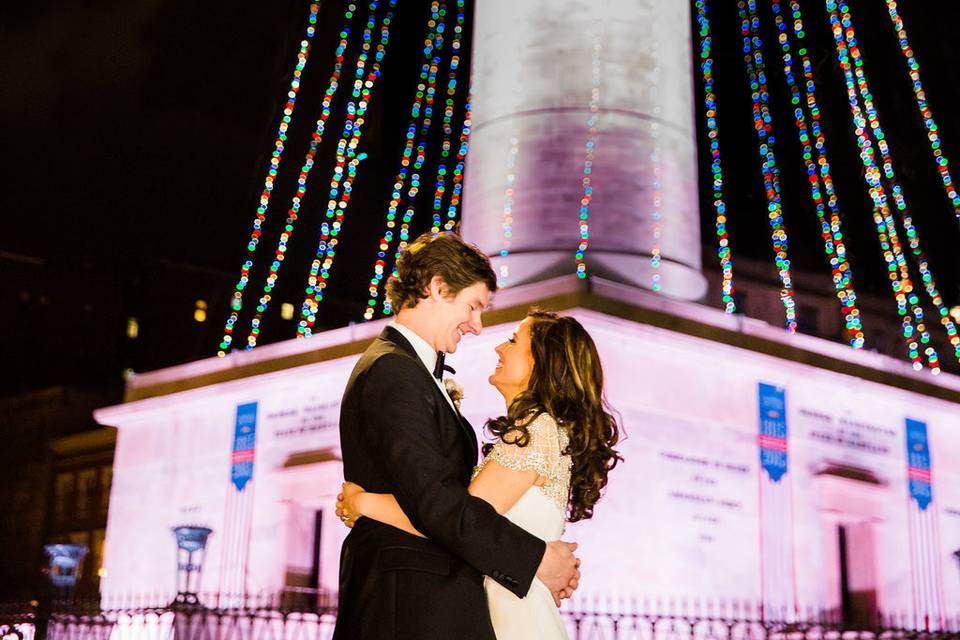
[{"x": 399, "y": 435}]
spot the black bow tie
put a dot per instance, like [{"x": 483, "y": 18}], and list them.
[{"x": 441, "y": 367}]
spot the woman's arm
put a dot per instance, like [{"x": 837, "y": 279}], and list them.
[
  {"x": 495, "y": 484},
  {"x": 381, "y": 507},
  {"x": 500, "y": 486}
]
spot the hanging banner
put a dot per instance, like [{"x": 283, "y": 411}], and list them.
[
  {"x": 244, "y": 445},
  {"x": 919, "y": 477},
  {"x": 772, "y": 439}
]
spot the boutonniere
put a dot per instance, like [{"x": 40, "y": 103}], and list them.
[{"x": 454, "y": 390}]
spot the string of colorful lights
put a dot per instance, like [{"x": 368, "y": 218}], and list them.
[
  {"x": 655, "y": 175},
  {"x": 420, "y": 157},
  {"x": 297, "y": 200},
  {"x": 716, "y": 168},
  {"x": 428, "y": 69},
  {"x": 506, "y": 223},
  {"x": 818, "y": 172},
  {"x": 887, "y": 234},
  {"x": 448, "y": 111},
  {"x": 341, "y": 186},
  {"x": 854, "y": 323},
  {"x": 453, "y": 208},
  {"x": 762, "y": 123},
  {"x": 913, "y": 235},
  {"x": 933, "y": 135},
  {"x": 586, "y": 179},
  {"x": 236, "y": 303},
  {"x": 655, "y": 215}
]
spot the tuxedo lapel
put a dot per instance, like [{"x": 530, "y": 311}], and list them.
[
  {"x": 468, "y": 432},
  {"x": 396, "y": 338},
  {"x": 470, "y": 435}
]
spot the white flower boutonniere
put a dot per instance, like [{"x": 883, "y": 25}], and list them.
[{"x": 454, "y": 390}]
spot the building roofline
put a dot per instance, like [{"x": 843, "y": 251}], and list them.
[
  {"x": 560, "y": 294},
  {"x": 96, "y": 440}
]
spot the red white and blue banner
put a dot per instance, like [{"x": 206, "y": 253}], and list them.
[
  {"x": 238, "y": 510},
  {"x": 244, "y": 445},
  {"x": 773, "y": 431},
  {"x": 919, "y": 478},
  {"x": 925, "y": 562},
  {"x": 777, "y": 569}
]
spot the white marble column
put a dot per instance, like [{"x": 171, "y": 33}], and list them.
[{"x": 538, "y": 67}]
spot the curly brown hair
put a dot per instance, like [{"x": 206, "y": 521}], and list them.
[
  {"x": 567, "y": 383},
  {"x": 459, "y": 264}
]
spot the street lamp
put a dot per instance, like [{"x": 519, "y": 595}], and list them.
[
  {"x": 191, "y": 545},
  {"x": 65, "y": 563}
]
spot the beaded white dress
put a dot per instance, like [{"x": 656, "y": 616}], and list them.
[{"x": 541, "y": 510}]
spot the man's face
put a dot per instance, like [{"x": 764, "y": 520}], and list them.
[{"x": 459, "y": 315}]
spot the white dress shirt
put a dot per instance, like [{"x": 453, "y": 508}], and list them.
[{"x": 426, "y": 353}]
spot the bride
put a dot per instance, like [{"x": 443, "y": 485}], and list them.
[{"x": 548, "y": 465}]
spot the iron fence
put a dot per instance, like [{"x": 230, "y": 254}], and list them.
[{"x": 307, "y": 614}]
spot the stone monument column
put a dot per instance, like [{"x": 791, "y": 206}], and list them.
[{"x": 557, "y": 84}]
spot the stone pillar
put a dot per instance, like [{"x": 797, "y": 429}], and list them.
[{"x": 538, "y": 68}]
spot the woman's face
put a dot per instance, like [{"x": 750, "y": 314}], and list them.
[{"x": 515, "y": 364}]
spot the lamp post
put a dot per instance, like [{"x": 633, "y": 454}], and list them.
[
  {"x": 64, "y": 567},
  {"x": 65, "y": 564},
  {"x": 191, "y": 547}
]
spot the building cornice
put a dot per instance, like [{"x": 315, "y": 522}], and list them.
[{"x": 565, "y": 294}]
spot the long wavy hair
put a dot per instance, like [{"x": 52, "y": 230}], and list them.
[{"x": 567, "y": 383}]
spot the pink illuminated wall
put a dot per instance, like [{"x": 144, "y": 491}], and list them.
[{"x": 689, "y": 514}]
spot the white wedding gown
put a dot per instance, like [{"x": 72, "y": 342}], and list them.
[{"x": 541, "y": 510}]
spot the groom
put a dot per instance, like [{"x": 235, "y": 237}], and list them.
[{"x": 401, "y": 434}]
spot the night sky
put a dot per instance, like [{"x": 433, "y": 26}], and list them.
[{"x": 138, "y": 131}]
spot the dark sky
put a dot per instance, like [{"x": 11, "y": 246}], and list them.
[{"x": 138, "y": 130}]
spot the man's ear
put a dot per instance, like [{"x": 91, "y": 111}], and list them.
[{"x": 437, "y": 289}]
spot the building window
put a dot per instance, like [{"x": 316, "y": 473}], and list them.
[
  {"x": 86, "y": 492},
  {"x": 808, "y": 319},
  {"x": 133, "y": 328},
  {"x": 286, "y": 311},
  {"x": 106, "y": 480},
  {"x": 62, "y": 495},
  {"x": 200, "y": 311}
]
